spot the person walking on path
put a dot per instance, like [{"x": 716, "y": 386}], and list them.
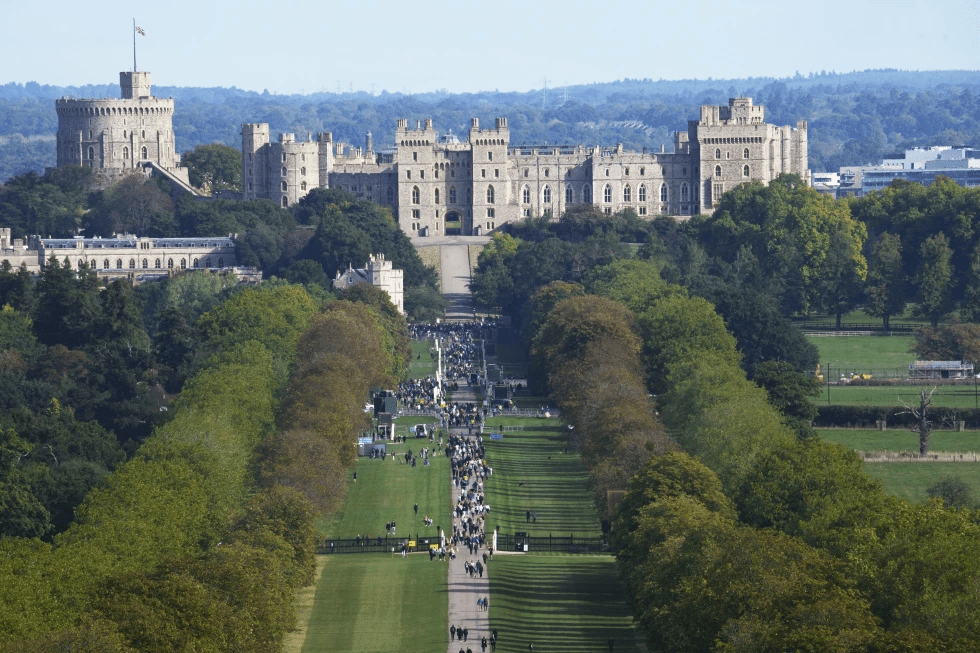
[{"x": 452, "y": 633}]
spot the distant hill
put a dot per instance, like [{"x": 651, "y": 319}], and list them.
[{"x": 853, "y": 117}]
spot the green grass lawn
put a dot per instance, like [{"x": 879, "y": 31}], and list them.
[
  {"x": 902, "y": 440},
  {"x": 864, "y": 353},
  {"x": 910, "y": 480},
  {"x": 387, "y": 491},
  {"x": 425, "y": 366},
  {"x": 554, "y": 483},
  {"x": 561, "y": 603},
  {"x": 379, "y": 604},
  {"x": 947, "y": 396},
  {"x": 860, "y": 317}
]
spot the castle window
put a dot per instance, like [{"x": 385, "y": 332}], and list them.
[
  {"x": 415, "y": 156},
  {"x": 547, "y": 172},
  {"x": 437, "y": 173},
  {"x": 105, "y": 264},
  {"x": 302, "y": 171},
  {"x": 170, "y": 264},
  {"x": 416, "y": 214},
  {"x": 745, "y": 153},
  {"x": 183, "y": 264},
  {"x": 437, "y": 196},
  {"x": 627, "y": 193},
  {"x": 285, "y": 202},
  {"x": 663, "y": 192},
  {"x": 283, "y": 157},
  {"x": 546, "y": 195},
  {"x": 302, "y": 186},
  {"x": 124, "y": 136},
  {"x": 126, "y": 153},
  {"x": 409, "y": 174},
  {"x": 490, "y": 213},
  {"x": 91, "y": 153},
  {"x": 284, "y": 172},
  {"x": 587, "y": 194},
  {"x": 452, "y": 195},
  {"x": 489, "y": 194},
  {"x": 416, "y": 197},
  {"x": 207, "y": 263},
  {"x": 684, "y": 192},
  {"x": 717, "y": 153},
  {"x": 144, "y": 153},
  {"x": 483, "y": 172},
  {"x": 607, "y": 172},
  {"x": 643, "y": 210},
  {"x": 626, "y": 171},
  {"x": 684, "y": 171},
  {"x": 489, "y": 156},
  {"x": 197, "y": 262},
  {"x": 119, "y": 264},
  {"x": 717, "y": 171},
  {"x": 526, "y": 172},
  {"x": 641, "y": 193},
  {"x": 421, "y": 174},
  {"x": 157, "y": 265},
  {"x": 496, "y": 172},
  {"x": 284, "y": 187},
  {"x": 569, "y": 194},
  {"x": 642, "y": 171},
  {"x": 132, "y": 263},
  {"x": 143, "y": 134},
  {"x": 745, "y": 171},
  {"x": 146, "y": 264},
  {"x": 526, "y": 195},
  {"x": 303, "y": 158},
  {"x": 607, "y": 193}
]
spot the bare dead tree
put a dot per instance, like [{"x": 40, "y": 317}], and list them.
[{"x": 923, "y": 426}]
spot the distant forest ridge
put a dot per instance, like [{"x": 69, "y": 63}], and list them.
[{"x": 853, "y": 118}]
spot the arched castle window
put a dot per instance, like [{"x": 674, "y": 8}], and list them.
[
  {"x": 197, "y": 262},
  {"x": 685, "y": 192},
  {"x": 302, "y": 171},
  {"x": 157, "y": 264},
  {"x": 437, "y": 196},
  {"x": 132, "y": 263},
  {"x": 627, "y": 193},
  {"x": 607, "y": 172},
  {"x": 745, "y": 153},
  {"x": 546, "y": 195},
  {"x": 126, "y": 153},
  {"x": 717, "y": 153},
  {"x": 285, "y": 202},
  {"x": 302, "y": 186},
  {"x": 717, "y": 171},
  {"x": 607, "y": 193},
  {"x": 452, "y": 195},
  {"x": 144, "y": 153},
  {"x": 745, "y": 171},
  {"x": 641, "y": 193},
  {"x": 489, "y": 194},
  {"x": 569, "y": 194},
  {"x": 416, "y": 197},
  {"x": 146, "y": 264},
  {"x": 143, "y": 134},
  {"x": 663, "y": 192},
  {"x": 91, "y": 153},
  {"x": 119, "y": 264},
  {"x": 284, "y": 187},
  {"x": 587, "y": 194},
  {"x": 170, "y": 263},
  {"x": 207, "y": 263},
  {"x": 626, "y": 171},
  {"x": 105, "y": 264},
  {"x": 526, "y": 195}
]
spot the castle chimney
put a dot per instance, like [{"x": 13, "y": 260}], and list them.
[{"x": 368, "y": 143}]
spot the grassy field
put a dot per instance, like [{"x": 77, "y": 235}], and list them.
[
  {"x": 864, "y": 352},
  {"x": 424, "y": 366},
  {"x": 379, "y": 604},
  {"x": 902, "y": 440},
  {"x": 947, "y": 396},
  {"x": 530, "y": 472},
  {"x": 910, "y": 480},
  {"x": 387, "y": 491},
  {"x": 563, "y": 604},
  {"x": 859, "y": 316}
]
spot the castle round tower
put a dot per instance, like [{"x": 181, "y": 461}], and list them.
[{"x": 117, "y": 136}]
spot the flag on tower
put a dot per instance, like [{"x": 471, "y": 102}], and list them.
[{"x": 140, "y": 30}]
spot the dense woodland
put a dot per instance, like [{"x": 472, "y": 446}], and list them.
[
  {"x": 854, "y": 118},
  {"x": 686, "y": 386}
]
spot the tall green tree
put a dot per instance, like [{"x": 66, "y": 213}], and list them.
[
  {"x": 885, "y": 288},
  {"x": 934, "y": 279},
  {"x": 214, "y": 168}
]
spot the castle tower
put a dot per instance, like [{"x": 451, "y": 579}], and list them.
[
  {"x": 255, "y": 165},
  {"x": 117, "y": 136}
]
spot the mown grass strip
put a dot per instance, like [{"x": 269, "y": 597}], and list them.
[
  {"x": 911, "y": 480},
  {"x": 902, "y": 440}
]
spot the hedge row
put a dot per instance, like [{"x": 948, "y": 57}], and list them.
[{"x": 868, "y": 417}]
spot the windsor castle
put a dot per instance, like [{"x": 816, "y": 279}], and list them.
[{"x": 437, "y": 184}]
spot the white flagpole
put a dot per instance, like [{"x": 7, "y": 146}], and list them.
[{"x": 134, "y": 45}]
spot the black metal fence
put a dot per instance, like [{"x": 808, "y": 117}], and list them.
[{"x": 513, "y": 542}]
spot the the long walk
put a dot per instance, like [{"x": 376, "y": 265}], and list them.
[{"x": 465, "y": 590}]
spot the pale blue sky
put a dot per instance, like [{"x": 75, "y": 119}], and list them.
[{"x": 293, "y": 46}]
